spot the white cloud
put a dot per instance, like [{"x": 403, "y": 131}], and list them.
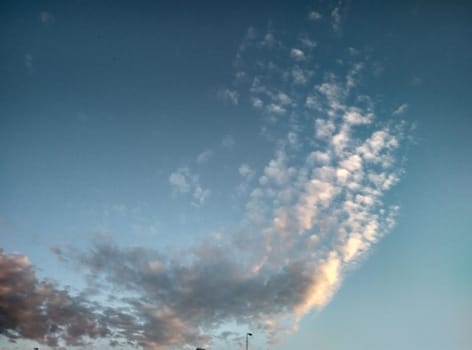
[
  {"x": 283, "y": 98},
  {"x": 184, "y": 182},
  {"x": 28, "y": 61},
  {"x": 400, "y": 109},
  {"x": 336, "y": 194},
  {"x": 231, "y": 96},
  {"x": 257, "y": 102},
  {"x": 200, "y": 195},
  {"x": 246, "y": 171},
  {"x": 336, "y": 19},
  {"x": 333, "y": 93},
  {"x": 179, "y": 180},
  {"x": 204, "y": 157},
  {"x": 352, "y": 75},
  {"x": 314, "y": 16},
  {"x": 354, "y": 117},
  {"x": 297, "y": 54},
  {"x": 324, "y": 128},
  {"x": 276, "y": 171},
  {"x": 308, "y": 43},
  {"x": 318, "y": 157},
  {"x": 269, "y": 40},
  {"x": 228, "y": 142},
  {"x": 299, "y": 76},
  {"x": 276, "y": 109}
]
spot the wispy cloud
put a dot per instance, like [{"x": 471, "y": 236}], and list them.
[
  {"x": 228, "y": 142},
  {"x": 185, "y": 182},
  {"x": 230, "y": 96},
  {"x": 46, "y": 18},
  {"x": 336, "y": 19},
  {"x": 338, "y": 13},
  {"x": 204, "y": 157},
  {"x": 28, "y": 61},
  {"x": 400, "y": 109},
  {"x": 307, "y": 42}
]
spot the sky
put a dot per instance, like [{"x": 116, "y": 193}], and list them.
[{"x": 176, "y": 174}]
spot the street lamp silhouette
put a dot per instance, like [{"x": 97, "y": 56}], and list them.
[{"x": 247, "y": 340}]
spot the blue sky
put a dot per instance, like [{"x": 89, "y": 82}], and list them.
[{"x": 175, "y": 175}]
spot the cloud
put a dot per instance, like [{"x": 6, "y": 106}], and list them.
[
  {"x": 230, "y": 96},
  {"x": 276, "y": 109},
  {"x": 297, "y": 54},
  {"x": 400, "y": 109},
  {"x": 314, "y": 16},
  {"x": 204, "y": 157},
  {"x": 246, "y": 171},
  {"x": 257, "y": 102},
  {"x": 299, "y": 76},
  {"x": 338, "y": 14},
  {"x": 307, "y": 42},
  {"x": 46, "y": 18},
  {"x": 314, "y": 213},
  {"x": 269, "y": 40},
  {"x": 183, "y": 182},
  {"x": 179, "y": 180},
  {"x": 307, "y": 222},
  {"x": 186, "y": 298},
  {"x": 28, "y": 61},
  {"x": 336, "y": 19},
  {"x": 36, "y": 309},
  {"x": 228, "y": 142},
  {"x": 324, "y": 209}
]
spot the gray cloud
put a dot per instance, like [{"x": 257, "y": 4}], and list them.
[
  {"x": 38, "y": 310},
  {"x": 180, "y": 298}
]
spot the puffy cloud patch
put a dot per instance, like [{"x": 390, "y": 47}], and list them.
[
  {"x": 230, "y": 96},
  {"x": 314, "y": 16},
  {"x": 246, "y": 171},
  {"x": 183, "y": 182},
  {"x": 297, "y": 54}
]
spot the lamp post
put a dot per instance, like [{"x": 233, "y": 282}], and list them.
[{"x": 247, "y": 340}]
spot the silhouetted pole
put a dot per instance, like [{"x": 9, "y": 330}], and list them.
[{"x": 247, "y": 340}]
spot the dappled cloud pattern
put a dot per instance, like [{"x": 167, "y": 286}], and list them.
[
  {"x": 313, "y": 211},
  {"x": 38, "y": 310}
]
